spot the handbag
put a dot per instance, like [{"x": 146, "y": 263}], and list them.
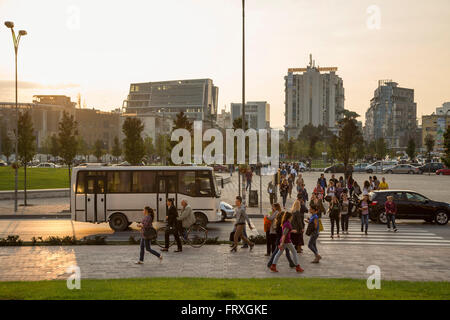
[
  {"x": 267, "y": 224},
  {"x": 232, "y": 236},
  {"x": 150, "y": 233},
  {"x": 320, "y": 225},
  {"x": 310, "y": 229}
]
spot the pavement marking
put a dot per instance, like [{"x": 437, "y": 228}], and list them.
[{"x": 388, "y": 243}]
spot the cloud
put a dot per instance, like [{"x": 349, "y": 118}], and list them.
[{"x": 28, "y": 85}]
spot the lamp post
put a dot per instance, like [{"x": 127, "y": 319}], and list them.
[
  {"x": 243, "y": 91},
  {"x": 16, "y": 40}
]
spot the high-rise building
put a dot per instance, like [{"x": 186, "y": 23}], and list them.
[
  {"x": 313, "y": 95},
  {"x": 197, "y": 98},
  {"x": 257, "y": 114},
  {"x": 392, "y": 115}
]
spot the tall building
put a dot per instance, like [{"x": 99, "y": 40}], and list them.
[
  {"x": 435, "y": 125},
  {"x": 197, "y": 98},
  {"x": 257, "y": 114},
  {"x": 313, "y": 95},
  {"x": 392, "y": 115}
]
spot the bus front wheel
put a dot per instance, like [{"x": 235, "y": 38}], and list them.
[{"x": 118, "y": 222}]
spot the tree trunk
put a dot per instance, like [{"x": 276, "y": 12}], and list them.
[{"x": 25, "y": 185}]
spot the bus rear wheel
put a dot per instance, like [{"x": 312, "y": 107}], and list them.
[
  {"x": 118, "y": 222},
  {"x": 201, "y": 219}
]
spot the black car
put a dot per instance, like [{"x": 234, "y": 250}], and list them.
[
  {"x": 338, "y": 168},
  {"x": 410, "y": 205},
  {"x": 431, "y": 167}
]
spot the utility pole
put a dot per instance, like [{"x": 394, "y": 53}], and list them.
[{"x": 243, "y": 91}]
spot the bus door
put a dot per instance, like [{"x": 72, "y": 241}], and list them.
[
  {"x": 95, "y": 198},
  {"x": 166, "y": 190}
]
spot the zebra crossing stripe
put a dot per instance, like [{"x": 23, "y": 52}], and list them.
[{"x": 387, "y": 243}]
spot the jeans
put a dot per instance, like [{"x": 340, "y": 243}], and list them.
[
  {"x": 334, "y": 218},
  {"x": 288, "y": 256},
  {"x": 145, "y": 244},
  {"x": 312, "y": 244},
  {"x": 364, "y": 222},
  {"x": 289, "y": 247},
  {"x": 271, "y": 244},
  {"x": 173, "y": 231},
  {"x": 391, "y": 217},
  {"x": 344, "y": 221},
  {"x": 272, "y": 198},
  {"x": 284, "y": 199},
  {"x": 249, "y": 185}
]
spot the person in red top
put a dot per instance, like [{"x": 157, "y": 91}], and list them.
[
  {"x": 319, "y": 191},
  {"x": 391, "y": 210}
]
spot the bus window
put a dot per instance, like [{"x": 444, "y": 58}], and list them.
[
  {"x": 80, "y": 182},
  {"x": 144, "y": 182},
  {"x": 186, "y": 183},
  {"x": 204, "y": 184},
  {"x": 119, "y": 181}
]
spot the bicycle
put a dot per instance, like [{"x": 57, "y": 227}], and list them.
[{"x": 195, "y": 236}]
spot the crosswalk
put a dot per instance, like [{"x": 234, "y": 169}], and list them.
[{"x": 379, "y": 235}]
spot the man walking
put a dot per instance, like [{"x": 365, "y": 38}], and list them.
[
  {"x": 271, "y": 192},
  {"x": 186, "y": 218},
  {"x": 249, "y": 177},
  {"x": 241, "y": 218}
]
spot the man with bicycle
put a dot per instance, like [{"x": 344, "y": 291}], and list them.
[{"x": 186, "y": 218}]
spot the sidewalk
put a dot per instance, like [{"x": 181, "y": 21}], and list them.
[
  {"x": 51, "y": 207},
  {"x": 112, "y": 262}
]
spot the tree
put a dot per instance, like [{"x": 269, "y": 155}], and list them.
[
  {"x": 182, "y": 122},
  {"x": 133, "y": 143},
  {"x": 67, "y": 139},
  {"x": 54, "y": 146},
  {"x": 446, "y": 157},
  {"x": 99, "y": 151},
  {"x": 345, "y": 144},
  {"x": 149, "y": 148},
  {"x": 411, "y": 149},
  {"x": 26, "y": 145},
  {"x": 429, "y": 144},
  {"x": 83, "y": 148},
  {"x": 381, "y": 148},
  {"x": 162, "y": 145},
  {"x": 116, "y": 149},
  {"x": 7, "y": 145},
  {"x": 313, "y": 135},
  {"x": 237, "y": 124}
]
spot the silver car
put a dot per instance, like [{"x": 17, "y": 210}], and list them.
[
  {"x": 227, "y": 210},
  {"x": 403, "y": 168}
]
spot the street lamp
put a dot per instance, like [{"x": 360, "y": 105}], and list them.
[
  {"x": 16, "y": 40},
  {"x": 243, "y": 90}
]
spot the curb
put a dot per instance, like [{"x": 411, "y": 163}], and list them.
[{"x": 34, "y": 216}]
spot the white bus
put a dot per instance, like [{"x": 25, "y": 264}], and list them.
[{"x": 118, "y": 194}]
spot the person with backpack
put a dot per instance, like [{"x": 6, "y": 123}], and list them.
[
  {"x": 279, "y": 234},
  {"x": 335, "y": 212},
  {"x": 286, "y": 243},
  {"x": 313, "y": 233},
  {"x": 270, "y": 228},
  {"x": 147, "y": 232}
]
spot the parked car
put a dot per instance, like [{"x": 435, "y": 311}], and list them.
[
  {"x": 220, "y": 168},
  {"x": 302, "y": 167},
  {"x": 338, "y": 168},
  {"x": 443, "y": 172},
  {"x": 3, "y": 163},
  {"x": 410, "y": 205},
  {"x": 360, "y": 167},
  {"x": 431, "y": 167},
  {"x": 402, "y": 168},
  {"x": 379, "y": 166},
  {"x": 46, "y": 165},
  {"x": 227, "y": 210}
]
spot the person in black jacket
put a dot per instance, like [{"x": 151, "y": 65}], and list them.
[{"x": 172, "y": 226}]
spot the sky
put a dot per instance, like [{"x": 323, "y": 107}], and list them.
[{"x": 97, "y": 48}]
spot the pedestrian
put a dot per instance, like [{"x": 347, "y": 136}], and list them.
[
  {"x": 186, "y": 218},
  {"x": 271, "y": 192},
  {"x": 241, "y": 218},
  {"x": 331, "y": 191},
  {"x": 312, "y": 244},
  {"x": 319, "y": 191},
  {"x": 376, "y": 183},
  {"x": 345, "y": 213},
  {"x": 322, "y": 181},
  {"x": 317, "y": 202},
  {"x": 279, "y": 234},
  {"x": 284, "y": 190},
  {"x": 350, "y": 183},
  {"x": 302, "y": 191},
  {"x": 334, "y": 179},
  {"x": 334, "y": 211},
  {"x": 270, "y": 228},
  {"x": 298, "y": 211},
  {"x": 356, "y": 188},
  {"x": 383, "y": 184},
  {"x": 300, "y": 182},
  {"x": 366, "y": 187},
  {"x": 291, "y": 184},
  {"x": 364, "y": 209},
  {"x": 146, "y": 224},
  {"x": 286, "y": 243},
  {"x": 391, "y": 210},
  {"x": 172, "y": 226},
  {"x": 249, "y": 177}
]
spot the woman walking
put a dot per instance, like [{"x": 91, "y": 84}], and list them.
[
  {"x": 298, "y": 223},
  {"x": 271, "y": 233},
  {"x": 291, "y": 179},
  {"x": 391, "y": 211},
  {"x": 286, "y": 243},
  {"x": 316, "y": 201},
  {"x": 331, "y": 191},
  {"x": 312, "y": 244},
  {"x": 279, "y": 235},
  {"x": 345, "y": 213},
  {"x": 146, "y": 225},
  {"x": 335, "y": 211},
  {"x": 284, "y": 190},
  {"x": 364, "y": 208}
]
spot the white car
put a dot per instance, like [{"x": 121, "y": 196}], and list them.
[
  {"x": 380, "y": 166},
  {"x": 302, "y": 166},
  {"x": 47, "y": 165},
  {"x": 227, "y": 210}
]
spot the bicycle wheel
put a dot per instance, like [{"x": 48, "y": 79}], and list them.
[
  {"x": 160, "y": 238},
  {"x": 197, "y": 236}
]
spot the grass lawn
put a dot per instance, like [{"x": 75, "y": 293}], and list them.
[
  {"x": 202, "y": 289},
  {"x": 37, "y": 178}
]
